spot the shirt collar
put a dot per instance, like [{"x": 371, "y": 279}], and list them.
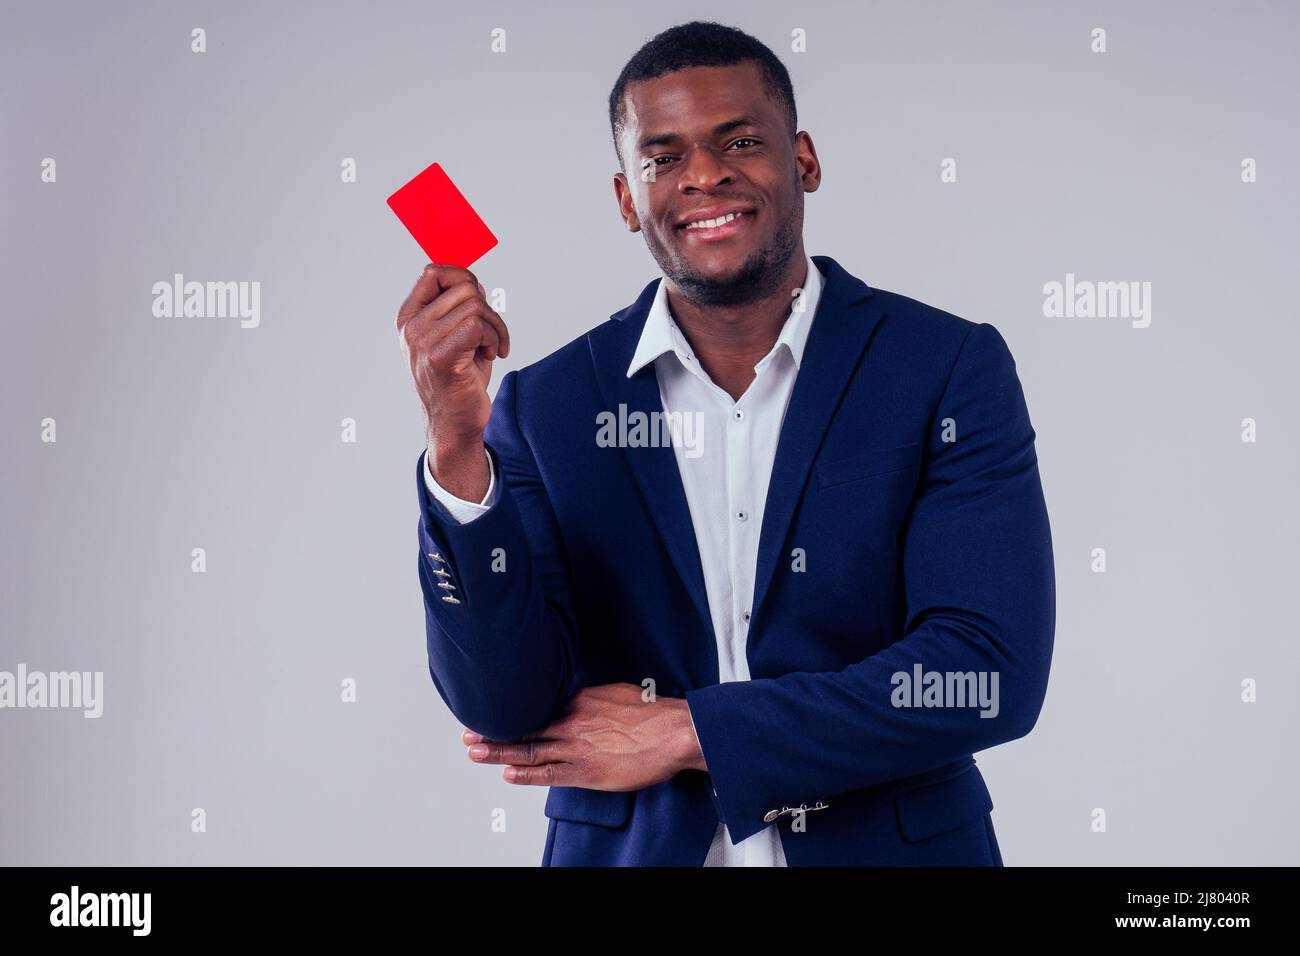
[{"x": 661, "y": 334}]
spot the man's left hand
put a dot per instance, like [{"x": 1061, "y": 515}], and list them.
[{"x": 610, "y": 737}]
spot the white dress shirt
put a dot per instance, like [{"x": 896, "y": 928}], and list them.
[{"x": 725, "y": 481}]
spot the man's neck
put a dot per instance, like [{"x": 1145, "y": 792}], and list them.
[{"x": 730, "y": 340}]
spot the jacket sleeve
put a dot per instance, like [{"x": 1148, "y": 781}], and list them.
[
  {"x": 498, "y": 612},
  {"x": 979, "y": 583}
]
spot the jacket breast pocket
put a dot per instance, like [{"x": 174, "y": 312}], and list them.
[
  {"x": 868, "y": 464},
  {"x": 606, "y": 808},
  {"x": 935, "y": 808}
]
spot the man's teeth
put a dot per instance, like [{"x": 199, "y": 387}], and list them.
[{"x": 713, "y": 223}]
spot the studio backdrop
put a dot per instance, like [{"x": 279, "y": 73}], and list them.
[{"x": 211, "y": 518}]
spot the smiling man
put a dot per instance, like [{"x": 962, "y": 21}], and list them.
[{"x": 699, "y": 647}]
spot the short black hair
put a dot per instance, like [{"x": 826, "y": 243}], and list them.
[{"x": 701, "y": 43}]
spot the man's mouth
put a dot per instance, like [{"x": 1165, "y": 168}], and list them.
[{"x": 724, "y": 227}]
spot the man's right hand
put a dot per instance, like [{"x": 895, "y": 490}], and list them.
[{"x": 451, "y": 336}]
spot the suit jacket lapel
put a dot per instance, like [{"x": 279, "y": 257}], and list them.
[
  {"x": 655, "y": 468},
  {"x": 841, "y": 328}
]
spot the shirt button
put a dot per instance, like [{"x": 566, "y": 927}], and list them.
[
  {"x": 742, "y": 515},
  {"x": 745, "y": 617},
  {"x": 738, "y": 415}
]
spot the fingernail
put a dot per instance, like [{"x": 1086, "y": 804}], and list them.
[
  {"x": 511, "y": 773},
  {"x": 478, "y": 751}
]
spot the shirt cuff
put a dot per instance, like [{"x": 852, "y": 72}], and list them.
[{"x": 463, "y": 511}]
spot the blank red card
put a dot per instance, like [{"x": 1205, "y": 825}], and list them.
[{"x": 441, "y": 219}]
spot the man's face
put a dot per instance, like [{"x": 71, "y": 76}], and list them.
[{"x": 708, "y": 139}]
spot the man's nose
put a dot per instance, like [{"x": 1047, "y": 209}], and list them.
[{"x": 706, "y": 169}]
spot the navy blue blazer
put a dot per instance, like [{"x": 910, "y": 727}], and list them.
[{"x": 905, "y": 532}]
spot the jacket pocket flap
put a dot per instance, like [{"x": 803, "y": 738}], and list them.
[
  {"x": 873, "y": 461},
  {"x": 936, "y": 808},
  {"x": 608, "y": 808}
]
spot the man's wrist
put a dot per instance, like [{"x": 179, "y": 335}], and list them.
[
  {"x": 687, "y": 751},
  {"x": 461, "y": 468}
]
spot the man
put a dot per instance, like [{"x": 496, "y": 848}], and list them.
[{"x": 748, "y": 573}]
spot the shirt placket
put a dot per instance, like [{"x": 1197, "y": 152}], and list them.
[{"x": 740, "y": 527}]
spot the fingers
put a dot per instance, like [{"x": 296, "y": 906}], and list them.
[
  {"x": 433, "y": 281},
  {"x": 529, "y": 753},
  {"x": 468, "y": 736},
  {"x": 531, "y": 761},
  {"x": 450, "y": 305},
  {"x": 466, "y": 331},
  {"x": 548, "y": 775},
  {"x": 463, "y": 297}
]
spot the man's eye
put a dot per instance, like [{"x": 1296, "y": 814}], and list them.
[{"x": 661, "y": 160}]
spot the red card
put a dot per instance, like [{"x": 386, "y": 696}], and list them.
[{"x": 441, "y": 219}]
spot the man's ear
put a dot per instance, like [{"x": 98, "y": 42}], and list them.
[
  {"x": 807, "y": 166},
  {"x": 626, "y": 208}
]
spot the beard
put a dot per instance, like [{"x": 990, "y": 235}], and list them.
[{"x": 756, "y": 279}]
